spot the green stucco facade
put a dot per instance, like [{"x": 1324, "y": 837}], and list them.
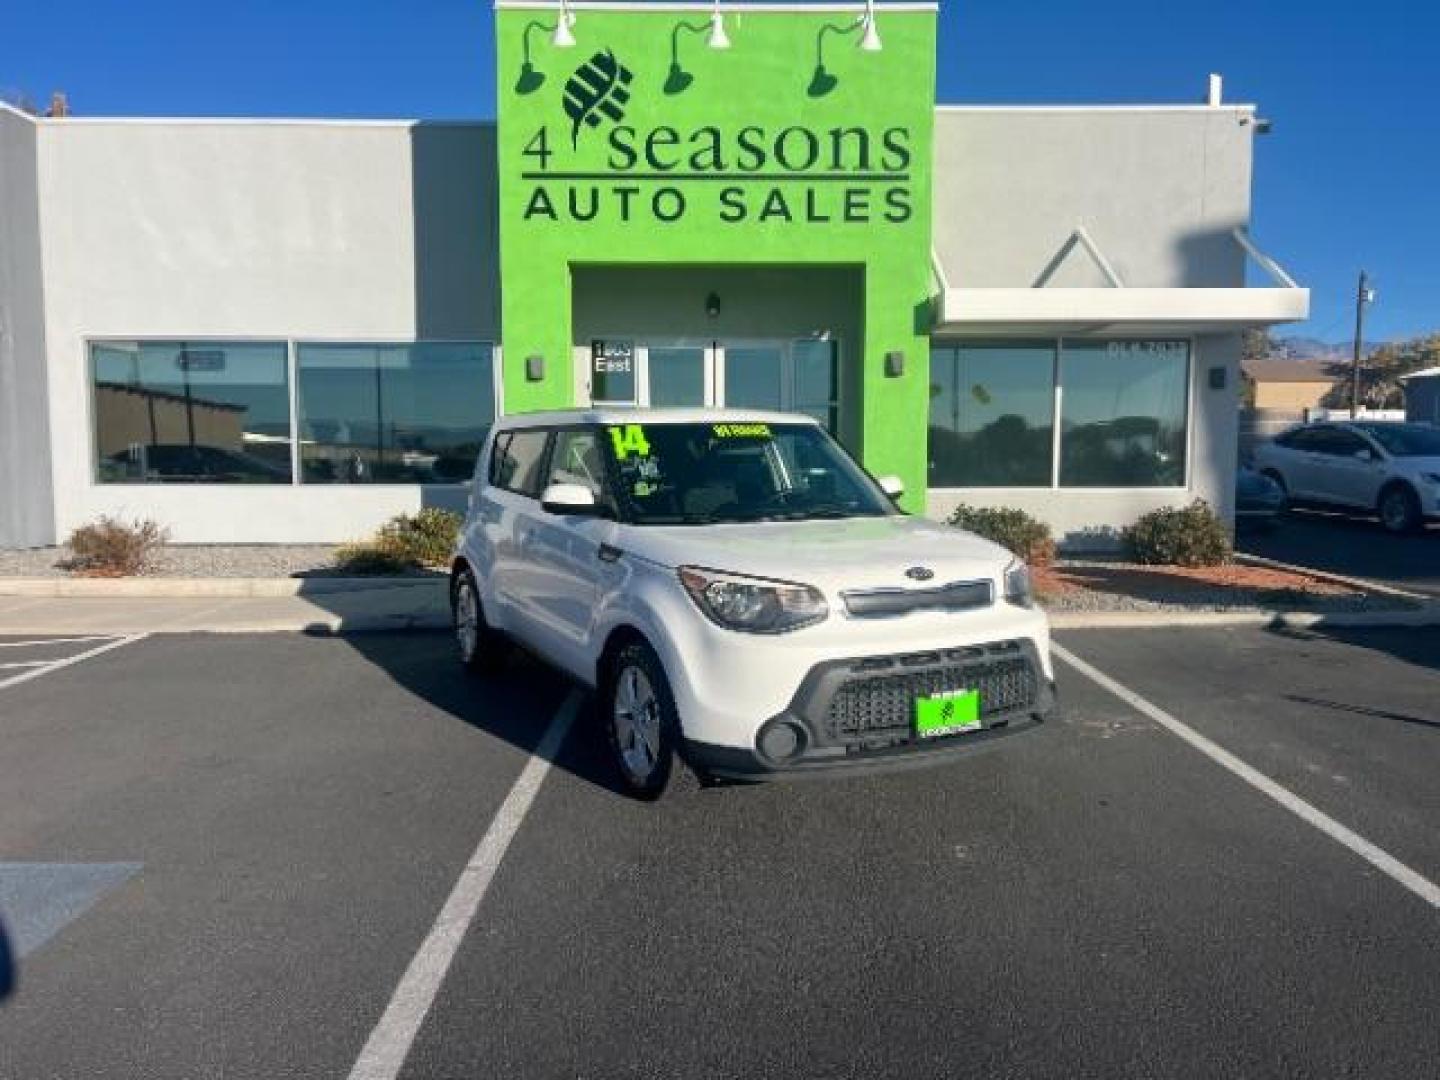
[{"x": 641, "y": 146}]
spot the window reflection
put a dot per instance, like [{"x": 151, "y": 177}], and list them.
[
  {"x": 393, "y": 414},
  {"x": 191, "y": 412},
  {"x": 992, "y": 414},
  {"x": 1124, "y": 413}
]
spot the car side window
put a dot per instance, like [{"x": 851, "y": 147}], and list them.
[
  {"x": 577, "y": 460},
  {"x": 1332, "y": 442},
  {"x": 519, "y": 462},
  {"x": 1303, "y": 439}
]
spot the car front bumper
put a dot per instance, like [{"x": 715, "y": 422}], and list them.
[{"x": 858, "y": 713}]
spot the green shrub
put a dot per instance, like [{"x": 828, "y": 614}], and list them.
[
  {"x": 425, "y": 539},
  {"x": 1192, "y": 536},
  {"x": 1014, "y": 530},
  {"x": 114, "y": 548},
  {"x": 363, "y": 560}
]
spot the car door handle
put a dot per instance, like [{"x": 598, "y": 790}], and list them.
[{"x": 608, "y": 553}]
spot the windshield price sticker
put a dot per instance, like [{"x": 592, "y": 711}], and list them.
[
  {"x": 742, "y": 431},
  {"x": 629, "y": 439}
]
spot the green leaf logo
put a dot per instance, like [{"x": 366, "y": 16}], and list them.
[{"x": 599, "y": 87}]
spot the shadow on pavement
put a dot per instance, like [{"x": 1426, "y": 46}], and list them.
[
  {"x": 515, "y": 703},
  {"x": 1418, "y": 645},
  {"x": 1362, "y": 710},
  {"x": 1353, "y": 545}
]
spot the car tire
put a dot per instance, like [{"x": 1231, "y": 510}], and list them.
[
  {"x": 1273, "y": 474},
  {"x": 480, "y": 648},
  {"x": 642, "y": 725},
  {"x": 1399, "y": 509}
]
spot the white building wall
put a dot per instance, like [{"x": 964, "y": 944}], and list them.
[
  {"x": 26, "y": 511},
  {"x": 1160, "y": 190},
  {"x": 255, "y": 230}
]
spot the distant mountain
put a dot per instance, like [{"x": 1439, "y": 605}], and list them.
[{"x": 1308, "y": 348}]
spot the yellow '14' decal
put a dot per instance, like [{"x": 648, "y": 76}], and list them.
[{"x": 629, "y": 439}]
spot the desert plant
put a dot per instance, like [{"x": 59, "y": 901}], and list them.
[
  {"x": 1185, "y": 536},
  {"x": 1012, "y": 529},
  {"x": 111, "y": 547},
  {"x": 366, "y": 559},
  {"x": 425, "y": 539}
]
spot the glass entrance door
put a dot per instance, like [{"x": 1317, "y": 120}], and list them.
[
  {"x": 785, "y": 376},
  {"x": 678, "y": 376}
]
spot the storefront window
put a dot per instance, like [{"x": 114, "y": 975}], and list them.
[
  {"x": 191, "y": 412},
  {"x": 393, "y": 414},
  {"x": 1123, "y": 413},
  {"x": 992, "y": 414}
]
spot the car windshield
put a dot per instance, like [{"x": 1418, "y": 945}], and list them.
[
  {"x": 1405, "y": 440},
  {"x": 711, "y": 473}
]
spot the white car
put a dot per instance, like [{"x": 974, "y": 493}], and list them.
[
  {"x": 744, "y": 598},
  {"x": 1390, "y": 469}
]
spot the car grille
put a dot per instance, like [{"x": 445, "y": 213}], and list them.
[
  {"x": 956, "y": 596},
  {"x": 878, "y": 702}
]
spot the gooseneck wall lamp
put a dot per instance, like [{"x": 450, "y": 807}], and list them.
[
  {"x": 561, "y": 37},
  {"x": 678, "y": 80},
  {"x": 823, "y": 81}
]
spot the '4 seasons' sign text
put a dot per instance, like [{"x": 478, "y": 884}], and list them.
[
  {"x": 792, "y": 174},
  {"x": 598, "y": 167}
]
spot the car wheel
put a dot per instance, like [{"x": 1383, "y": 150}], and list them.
[
  {"x": 642, "y": 725},
  {"x": 1399, "y": 509},
  {"x": 480, "y": 648}
]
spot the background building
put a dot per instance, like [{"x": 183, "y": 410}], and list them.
[{"x": 291, "y": 330}]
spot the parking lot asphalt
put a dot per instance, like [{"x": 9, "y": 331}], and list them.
[
  {"x": 282, "y": 817},
  {"x": 1354, "y": 546}
]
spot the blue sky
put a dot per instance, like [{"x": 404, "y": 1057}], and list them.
[{"x": 1350, "y": 176}]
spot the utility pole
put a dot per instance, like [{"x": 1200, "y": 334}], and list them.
[{"x": 1363, "y": 295}]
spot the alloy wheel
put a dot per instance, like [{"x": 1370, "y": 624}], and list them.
[{"x": 637, "y": 723}]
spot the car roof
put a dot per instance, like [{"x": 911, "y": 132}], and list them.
[{"x": 631, "y": 415}]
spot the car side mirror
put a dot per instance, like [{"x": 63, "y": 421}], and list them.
[
  {"x": 573, "y": 500},
  {"x": 892, "y": 486}
]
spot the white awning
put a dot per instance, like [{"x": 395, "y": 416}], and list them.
[{"x": 1120, "y": 308}]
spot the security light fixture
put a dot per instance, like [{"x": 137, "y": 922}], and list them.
[
  {"x": 718, "y": 39},
  {"x": 534, "y": 367},
  {"x": 564, "y": 37},
  {"x": 870, "y": 41},
  {"x": 712, "y": 305},
  {"x": 894, "y": 364}
]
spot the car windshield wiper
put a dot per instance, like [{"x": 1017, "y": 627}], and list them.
[{"x": 814, "y": 513}]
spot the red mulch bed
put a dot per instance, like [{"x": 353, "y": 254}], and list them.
[{"x": 1174, "y": 582}]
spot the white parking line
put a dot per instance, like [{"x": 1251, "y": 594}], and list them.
[
  {"x": 25, "y": 663},
  {"x": 56, "y": 665},
  {"x": 389, "y": 1044},
  {"x": 54, "y": 641},
  {"x": 1377, "y": 857}
]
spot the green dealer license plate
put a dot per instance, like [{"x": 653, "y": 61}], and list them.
[{"x": 953, "y": 712}]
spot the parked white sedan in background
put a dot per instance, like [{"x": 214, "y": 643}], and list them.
[
  {"x": 743, "y": 596},
  {"x": 1390, "y": 469}
]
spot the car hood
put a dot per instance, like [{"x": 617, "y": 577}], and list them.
[
  {"x": 1416, "y": 465},
  {"x": 872, "y": 552}
]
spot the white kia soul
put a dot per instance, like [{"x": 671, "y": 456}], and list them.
[{"x": 744, "y": 598}]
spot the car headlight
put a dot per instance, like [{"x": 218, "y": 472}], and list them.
[
  {"x": 1017, "y": 585},
  {"x": 753, "y": 605}
]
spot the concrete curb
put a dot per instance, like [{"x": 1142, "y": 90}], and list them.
[
  {"x": 208, "y": 588},
  {"x": 1296, "y": 620},
  {"x": 1326, "y": 575}
]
